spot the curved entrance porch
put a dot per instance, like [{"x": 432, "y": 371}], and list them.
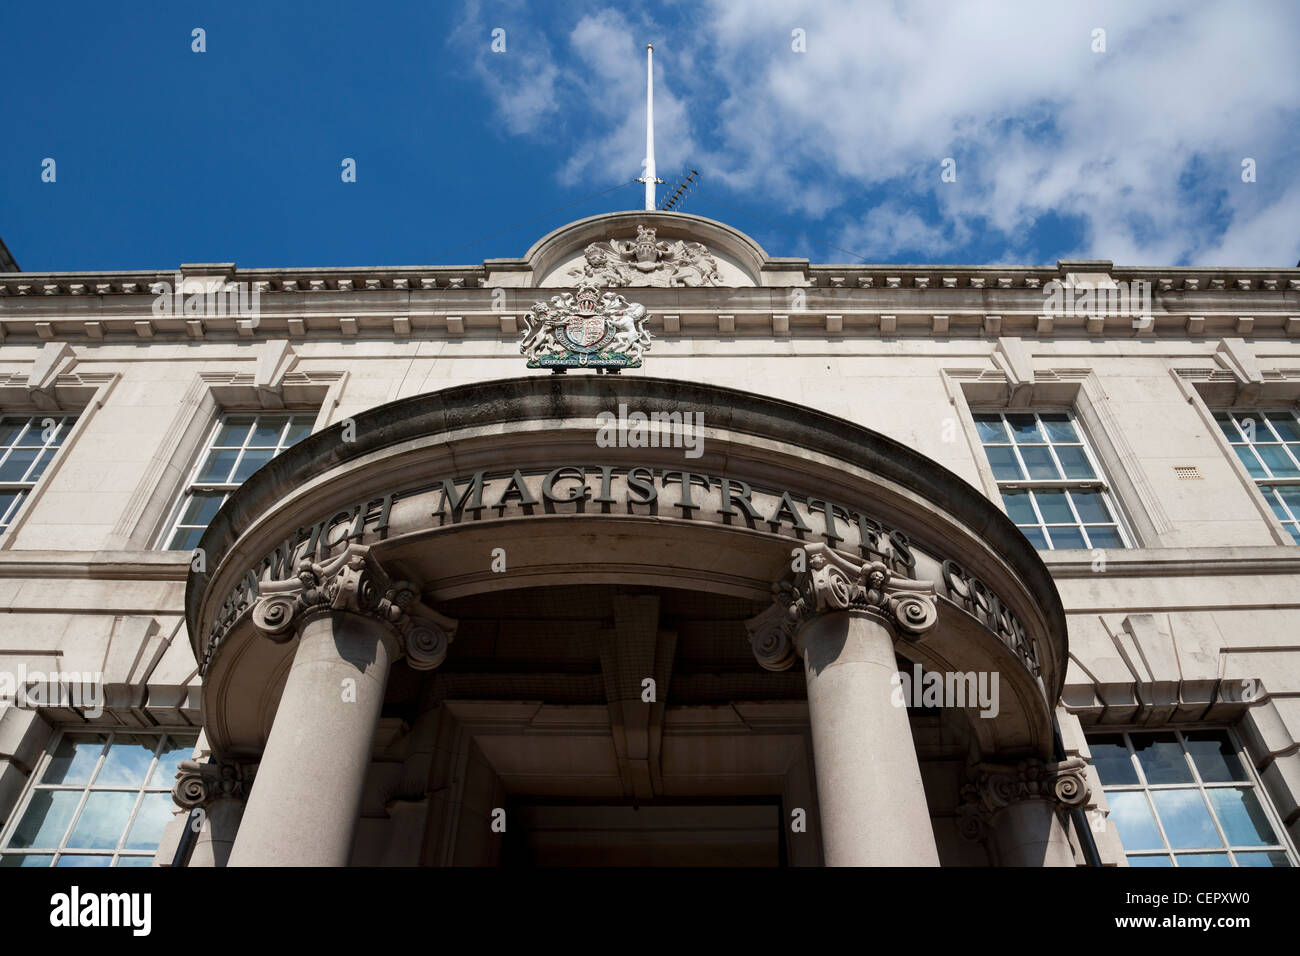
[{"x": 332, "y": 601}]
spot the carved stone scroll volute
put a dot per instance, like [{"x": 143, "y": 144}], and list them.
[
  {"x": 834, "y": 583},
  {"x": 355, "y": 583}
]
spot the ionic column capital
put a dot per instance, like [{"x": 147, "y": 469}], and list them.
[
  {"x": 198, "y": 784},
  {"x": 355, "y": 583},
  {"x": 994, "y": 787},
  {"x": 834, "y": 583}
]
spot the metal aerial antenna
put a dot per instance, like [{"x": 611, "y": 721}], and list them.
[
  {"x": 650, "y": 179},
  {"x": 684, "y": 186}
]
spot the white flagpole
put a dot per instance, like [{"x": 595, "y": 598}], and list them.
[{"x": 649, "y": 178}]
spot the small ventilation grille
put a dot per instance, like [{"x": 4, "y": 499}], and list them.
[{"x": 1187, "y": 473}]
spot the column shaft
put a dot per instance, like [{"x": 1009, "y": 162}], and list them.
[
  {"x": 1029, "y": 833},
  {"x": 307, "y": 792},
  {"x": 217, "y": 837},
  {"x": 873, "y": 806}
]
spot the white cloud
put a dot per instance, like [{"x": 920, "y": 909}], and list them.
[
  {"x": 1141, "y": 144},
  {"x": 522, "y": 80}
]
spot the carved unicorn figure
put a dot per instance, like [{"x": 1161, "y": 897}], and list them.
[{"x": 628, "y": 321}]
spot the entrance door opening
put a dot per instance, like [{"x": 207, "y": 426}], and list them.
[{"x": 661, "y": 833}]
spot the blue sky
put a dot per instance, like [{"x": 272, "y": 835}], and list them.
[{"x": 1134, "y": 153}]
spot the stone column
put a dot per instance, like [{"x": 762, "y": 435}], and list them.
[
  {"x": 218, "y": 789},
  {"x": 842, "y": 618},
  {"x": 1017, "y": 810},
  {"x": 351, "y": 623}
]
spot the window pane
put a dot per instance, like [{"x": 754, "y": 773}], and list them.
[
  {"x": 1036, "y": 538},
  {"x": 1024, "y": 428},
  {"x": 185, "y": 539},
  {"x": 1241, "y": 816},
  {"x": 1039, "y": 462},
  {"x": 147, "y": 831},
  {"x": 1004, "y": 464},
  {"x": 102, "y": 821},
  {"x": 1104, "y": 536},
  {"x": 234, "y": 430},
  {"x": 267, "y": 432},
  {"x": 7, "y": 500},
  {"x": 97, "y": 859},
  {"x": 1203, "y": 859},
  {"x": 127, "y": 763},
  {"x": 1059, "y": 427},
  {"x": 203, "y": 507},
  {"x": 169, "y": 761},
  {"x": 1185, "y": 818},
  {"x": 216, "y": 469},
  {"x": 1162, "y": 758},
  {"x": 1132, "y": 817},
  {"x": 253, "y": 459},
  {"x": 1111, "y": 758},
  {"x": 1286, "y": 427},
  {"x": 1255, "y": 428},
  {"x": 1271, "y": 858},
  {"x": 301, "y": 428},
  {"x": 16, "y": 465},
  {"x": 46, "y": 819},
  {"x": 42, "y": 462},
  {"x": 135, "y": 860},
  {"x": 1149, "y": 861},
  {"x": 34, "y": 436},
  {"x": 1291, "y": 496},
  {"x": 1074, "y": 461},
  {"x": 74, "y": 758},
  {"x": 1278, "y": 461},
  {"x": 1055, "y": 509},
  {"x": 1248, "y": 459},
  {"x": 1227, "y": 427},
  {"x": 1019, "y": 508},
  {"x": 1215, "y": 758},
  {"x": 990, "y": 429},
  {"x": 1064, "y": 539},
  {"x": 61, "y": 432},
  {"x": 1091, "y": 506},
  {"x": 1268, "y": 491},
  {"x": 9, "y": 429},
  {"x": 25, "y": 859}
]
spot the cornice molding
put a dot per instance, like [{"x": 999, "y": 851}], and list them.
[
  {"x": 98, "y": 565},
  {"x": 1177, "y": 562},
  {"x": 750, "y": 313},
  {"x": 1164, "y": 279}
]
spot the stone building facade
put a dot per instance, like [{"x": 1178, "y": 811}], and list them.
[{"x": 830, "y": 564}]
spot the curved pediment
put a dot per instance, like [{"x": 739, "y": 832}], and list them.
[{"x": 639, "y": 250}]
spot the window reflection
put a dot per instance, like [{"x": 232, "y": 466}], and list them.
[
  {"x": 1186, "y": 798},
  {"x": 101, "y": 799}
]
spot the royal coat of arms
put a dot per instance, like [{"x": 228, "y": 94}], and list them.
[
  {"x": 585, "y": 329},
  {"x": 648, "y": 261}
]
